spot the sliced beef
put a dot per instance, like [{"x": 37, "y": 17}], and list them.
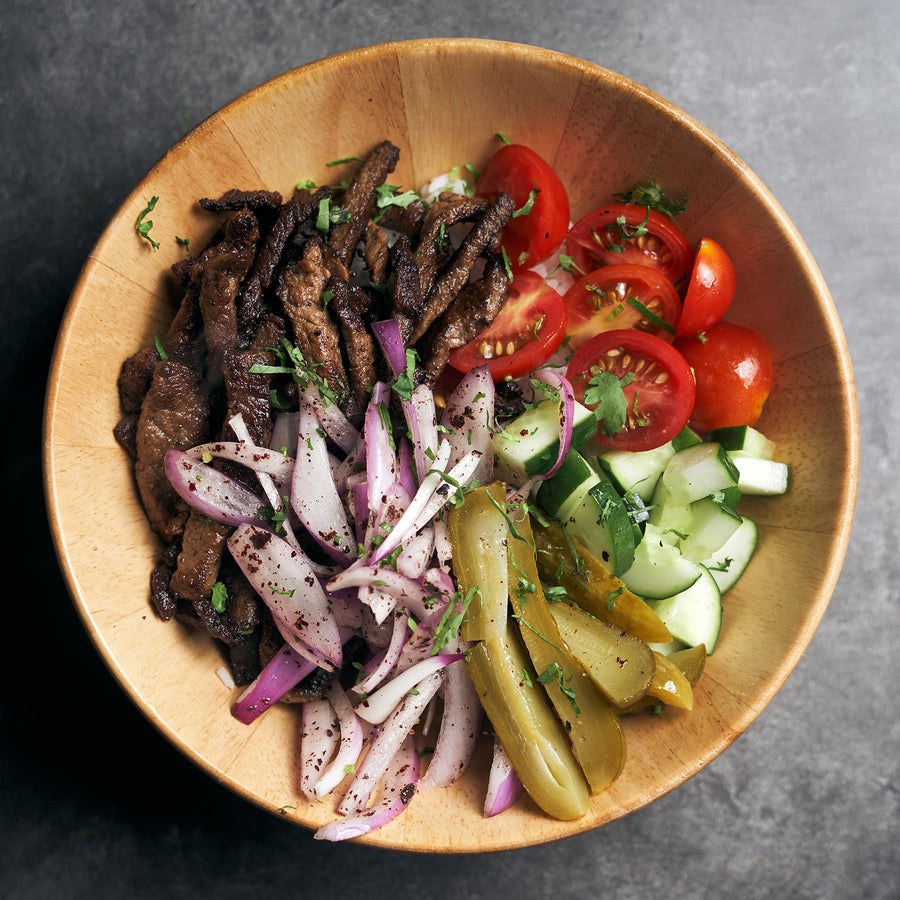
[
  {"x": 134, "y": 381},
  {"x": 404, "y": 219},
  {"x": 233, "y": 200},
  {"x": 358, "y": 201},
  {"x": 174, "y": 414},
  {"x": 376, "y": 253},
  {"x": 300, "y": 291},
  {"x": 224, "y": 267},
  {"x": 455, "y": 275},
  {"x": 349, "y": 305},
  {"x": 162, "y": 595},
  {"x": 476, "y": 307},
  {"x": 185, "y": 341},
  {"x": 407, "y": 305},
  {"x": 243, "y": 656},
  {"x": 298, "y": 209},
  {"x": 203, "y": 544}
]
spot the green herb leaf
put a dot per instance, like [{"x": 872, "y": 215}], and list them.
[
  {"x": 652, "y": 196},
  {"x": 605, "y": 395},
  {"x": 143, "y": 224},
  {"x": 219, "y": 597}
]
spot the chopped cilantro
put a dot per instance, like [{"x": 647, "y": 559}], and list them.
[
  {"x": 219, "y": 597},
  {"x": 143, "y": 224}
]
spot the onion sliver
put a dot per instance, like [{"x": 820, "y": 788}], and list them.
[
  {"x": 335, "y": 424},
  {"x": 210, "y": 491},
  {"x": 378, "y": 706},
  {"x": 458, "y": 735},
  {"x": 421, "y": 420},
  {"x": 469, "y": 421},
  {"x": 387, "y": 332},
  {"x": 314, "y": 496},
  {"x": 350, "y": 744},
  {"x": 409, "y": 593},
  {"x": 384, "y": 746},
  {"x": 258, "y": 459},
  {"x": 319, "y": 740},
  {"x": 289, "y": 587},
  {"x": 399, "y": 635},
  {"x": 398, "y": 788},
  {"x": 284, "y": 671},
  {"x": 566, "y": 397},
  {"x": 504, "y": 787}
]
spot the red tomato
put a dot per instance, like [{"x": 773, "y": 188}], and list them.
[
  {"x": 733, "y": 371},
  {"x": 529, "y": 330},
  {"x": 659, "y": 397},
  {"x": 629, "y": 233},
  {"x": 530, "y": 236},
  {"x": 710, "y": 290},
  {"x": 611, "y": 299}
]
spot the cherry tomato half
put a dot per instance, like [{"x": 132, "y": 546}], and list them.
[
  {"x": 710, "y": 290},
  {"x": 540, "y": 223},
  {"x": 622, "y": 296},
  {"x": 629, "y": 233},
  {"x": 529, "y": 330},
  {"x": 659, "y": 396},
  {"x": 733, "y": 371}
]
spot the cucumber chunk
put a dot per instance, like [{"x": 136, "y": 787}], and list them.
[
  {"x": 698, "y": 471},
  {"x": 659, "y": 570},
  {"x": 761, "y": 477},
  {"x": 559, "y": 494},
  {"x": 745, "y": 440},
  {"x": 694, "y": 615},
  {"x": 601, "y": 524},
  {"x": 685, "y": 438},
  {"x": 712, "y": 524},
  {"x": 727, "y": 564},
  {"x": 636, "y": 472},
  {"x": 673, "y": 520},
  {"x": 529, "y": 445}
]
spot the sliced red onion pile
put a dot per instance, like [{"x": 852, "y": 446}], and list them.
[{"x": 375, "y": 504}]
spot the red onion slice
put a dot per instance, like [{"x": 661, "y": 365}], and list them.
[
  {"x": 333, "y": 421},
  {"x": 314, "y": 497},
  {"x": 387, "y": 333},
  {"x": 378, "y": 706},
  {"x": 243, "y": 451},
  {"x": 504, "y": 787},
  {"x": 351, "y": 741},
  {"x": 458, "y": 735},
  {"x": 399, "y": 787},
  {"x": 319, "y": 737},
  {"x": 289, "y": 587},
  {"x": 566, "y": 395},
  {"x": 469, "y": 420},
  {"x": 211, "y": 492},
  {"x": 409, "y": 594},
  {"x": 384, "y": 746},
  {"x": 284, "y": 671},
  {"x": 399, "y": 635},
  {"x": 421, "y": 420}
]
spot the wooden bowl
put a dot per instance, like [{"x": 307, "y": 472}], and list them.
[{"x": 442, "y": 102}]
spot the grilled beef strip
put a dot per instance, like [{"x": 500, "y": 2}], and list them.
[
  {"x": 349, "y": 304},
  {"x": 376, "y": 253},
  {"x": 358, "y": 201},
  {"x": 300, "y": 291},
  {"x": 233, "y": 200},
  {"x": 174, "y": 414},
  {"x": 455, "y": 275},
  {"x": 474, "y": 309},
  {"x": 161, "y": 594},
  {"x": 135, "y": 378},
  {"x": 407, "y": 306}
]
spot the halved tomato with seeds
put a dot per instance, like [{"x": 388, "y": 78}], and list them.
[
  {"x": 630, "y": 233},
  {"x": 529, "y": 330},
  {"x": 622, "y": 296},
  {"x": 655, "y": 378}
]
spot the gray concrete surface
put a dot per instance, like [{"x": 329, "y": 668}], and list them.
[{"x": 94, "y": 803}]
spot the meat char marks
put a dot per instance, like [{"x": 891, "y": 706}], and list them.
[{"x": 293, "y": 282}]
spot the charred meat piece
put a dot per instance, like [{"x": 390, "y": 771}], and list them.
[
  {"x": 203, "y": 543},
  {"x": 134, "y": 381},
  {"x": 316, "y": 336},
  {"x": 161, "y": 594},
  {"x": 455, "y": 275},
  {"x": 404, "y": 219},
  {"x": 174, "y": 414},
  {"x": 299, "y": 208},
  {"x": 476, "y": 307},
  {"x": 224, "y": 267},
  {"x": 233, "y": 200},
  {"x": 407, "y": 306},
  {"x": 376, "y": 253},
  {"x": 243, "y": 656},
  {"x": 358, "y": 201},
  {"x": 349, "y": 304}
]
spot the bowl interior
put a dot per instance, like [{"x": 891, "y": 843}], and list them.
[{"x": 442, "y": 102}]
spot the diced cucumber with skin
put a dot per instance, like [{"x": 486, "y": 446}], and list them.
[
  {"x": 761, "y": 477},
  {"x": 712, "y": 524},
  {"x": 672, "y": 520},
  {"x": 744, "y": 440},
  {"x": 698, "y": 471},
  {"x": 728, "y": 562},
  {"x": 602, "y": 525},
  {"x": 685, "y": 438},
  {"x": 636, "y": 471},
  {"x": 659, "y": 569},
  {"x": 529, "y": 445},
  {"x": 694, "y": 615},
  {"x": 559, "y": 494}
]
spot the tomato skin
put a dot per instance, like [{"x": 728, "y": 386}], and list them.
[
  {"x": 664, "y": 247},
  {"x": 661, "y": 394},
  {"x": 710, "y": 290},
  {"x": 593, "y": 302},
  {"x": 533, "y": 237},
  {"x": 733, "y": 373},
  {"x": 531, "y": 306}
]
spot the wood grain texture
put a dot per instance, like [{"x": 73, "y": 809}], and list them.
[{"x": 441, "y": 102}]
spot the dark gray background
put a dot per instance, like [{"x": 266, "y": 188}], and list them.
[{"x": 94, "y": 803}]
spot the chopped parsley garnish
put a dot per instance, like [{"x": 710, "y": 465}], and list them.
[
  {"x": 652, "y": 196},
  {"x": 143, "y": 224},
  {"x": 554, "y": 674},
  {"x": 527, "y": 206},
  {"x": 605, "y": 395},
  {"x": 385, "y": 196},
  {"x": 219, "y": 597},
  {"x": 160, "y": 349},
  {"x": 342, "y": 160},
  {"x": 649, "y": 315},
  {"x": 452, "y": 618}
]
